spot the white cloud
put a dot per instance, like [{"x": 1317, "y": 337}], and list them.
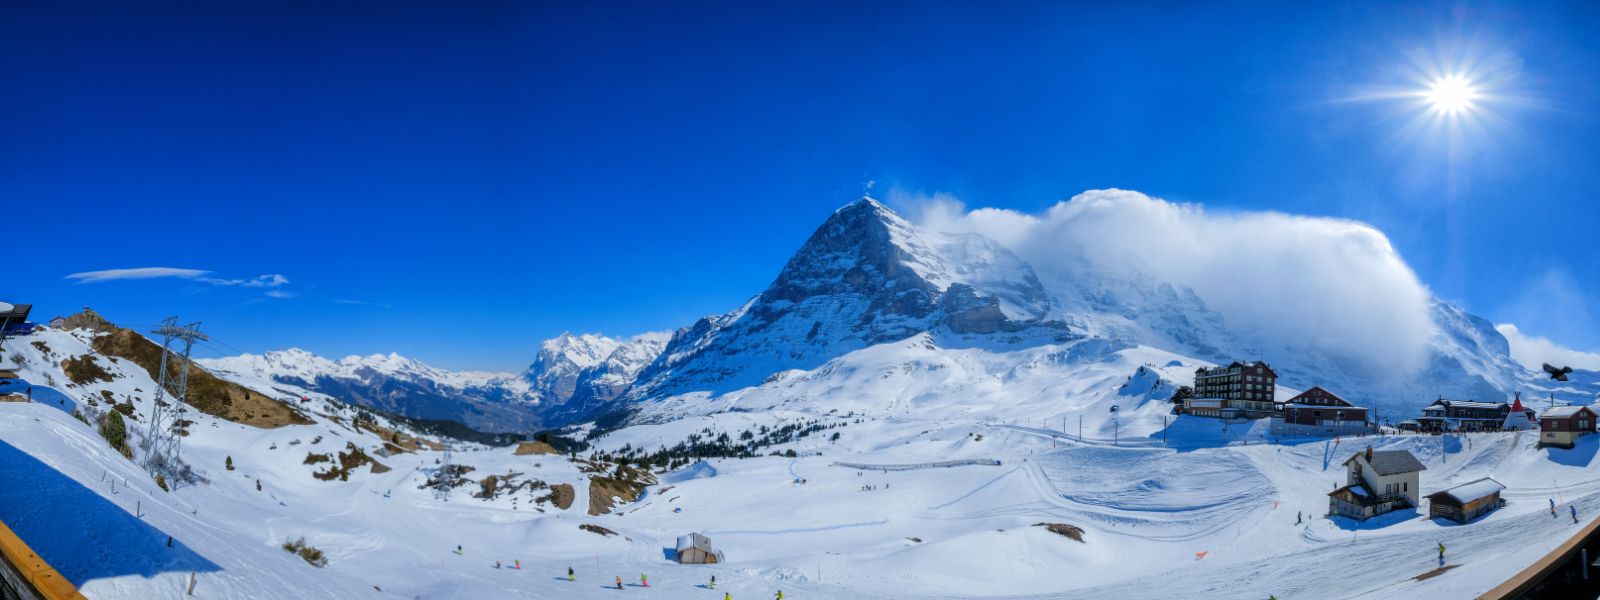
[
  {"x": 270, "y": 280},
  {"x": 1318, "y": 282},
  {"x": 200, "y": 275},
  {"x": 137, "y": 273},
  {"x": 1535, "y": 351},
  {"x": 279, "y": 294}
]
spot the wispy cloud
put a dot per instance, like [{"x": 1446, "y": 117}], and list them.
[
  {"x": 362, "y": 303},
  {"x": 270, "y": 280},
  {"x": 280, "y": 294},
  {"x": 137, "y": 273},
  {"x": 1534, "y": 351}
]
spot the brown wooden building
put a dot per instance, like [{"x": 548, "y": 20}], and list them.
[
  {"x": 695, "y": 549},
  {"x": 1319, "y": 412},
  {"x": 1467, "y": 501},
  {"x": 1563, "y": 425}
]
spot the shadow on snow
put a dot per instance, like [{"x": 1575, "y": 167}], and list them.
[
  {"x": 41, "y": 394},
  {"x": 81, "y": 534},
  {"x": 1581, "y": 454}
]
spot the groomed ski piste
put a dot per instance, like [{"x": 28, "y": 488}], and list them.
[{"x": 1190, "y": 510}]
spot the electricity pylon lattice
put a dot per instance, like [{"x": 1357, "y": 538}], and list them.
[
  {"x": 166, "y": 419},
  {"x": 441, "y": 491}
]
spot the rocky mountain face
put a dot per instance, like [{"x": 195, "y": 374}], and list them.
[
  {"x": 868, "y": 277},
  {"x": 576, "y": 375},
  {"x": 865, "y": 277}
]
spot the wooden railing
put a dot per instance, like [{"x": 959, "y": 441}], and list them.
[
  {"x": 29, "y": 574},
  {"x": 1526, "y": 583}
]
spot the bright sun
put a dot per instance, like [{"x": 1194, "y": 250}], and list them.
[{"x": 1451, "y": 94}]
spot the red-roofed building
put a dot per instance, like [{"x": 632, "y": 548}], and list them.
[{"x": 1319, "y": 412}]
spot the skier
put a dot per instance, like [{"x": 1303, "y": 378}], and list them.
[
  {"x": 1552, "y": 507},
  {"x": 518, "y": 564},
  {"x": 780, "y": 592},
  {"x": 1441, "y": 552},
  {"x": 643, "y": 581},
  {"x": 1574, "y": 509},
  {"x": 458, "y": 549},
  {"x": 570, "y": 574},
  {"x": 713, "y": 582},
  {"x": 497, "y": 564},
  {"x": 1297, "y": 517},
  {"x": 619, "y": 582},
  {"x": 727, "y": 596}
]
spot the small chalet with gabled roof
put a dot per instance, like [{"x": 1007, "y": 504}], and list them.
[
  {"x": 1467, "y": 501},
  {"x": 1378, "y": 481},
  {"x": 1563, "y": 425}
]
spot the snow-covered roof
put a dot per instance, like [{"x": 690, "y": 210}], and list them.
[
  {"x": 1563, "y": 412},
  {"x": 1468, "y": 404},
  {"x": 1472, "y": 490},
  {"x": 694, "y": 540}
]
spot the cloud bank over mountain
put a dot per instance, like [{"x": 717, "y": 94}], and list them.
[
  {"x": 1534, "y": 351},
  {"x": 1279, "y": 280}
]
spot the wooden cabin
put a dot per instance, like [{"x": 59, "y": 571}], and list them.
[
  {"x": 695, "y": 549},
  {"x": 1467, "y": 501}
]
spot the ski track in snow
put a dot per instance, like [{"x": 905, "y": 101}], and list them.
[{"x": 1148, "y": 503}]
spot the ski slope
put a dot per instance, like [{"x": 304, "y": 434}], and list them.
[
  {"x": 1146, "y": 512},
  {"x": 1169, "y": 507}
]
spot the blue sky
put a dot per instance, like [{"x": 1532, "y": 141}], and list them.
[{"x": 457, "y": 181}]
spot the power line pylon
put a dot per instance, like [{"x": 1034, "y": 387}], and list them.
[
  {"x": 446, "y": 473},
  {"x": 162, "y": 440}
]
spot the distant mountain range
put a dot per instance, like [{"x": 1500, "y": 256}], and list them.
[{"x": 867, "y": 277}]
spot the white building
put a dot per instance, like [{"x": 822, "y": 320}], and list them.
[{"x": 1377, "y": 481}]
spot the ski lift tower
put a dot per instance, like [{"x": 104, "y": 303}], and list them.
[
  {"x": 162, "y": 439},
  {"x": 441, "y": 490}
]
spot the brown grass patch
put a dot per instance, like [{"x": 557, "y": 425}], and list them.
[
  {"x": 83, "y": 370},
  {"x": 623, "y": 482},
  {"x": 207, "y": 393},
  {"x": 535, "y": 447},
  {"x": 1062, "y": 529},
  {"x": 312, "y": 556},
  {"x": 562, "y": 495},
  {"x": 349, "y": 459},
  {"x": 597, "y": 529}
]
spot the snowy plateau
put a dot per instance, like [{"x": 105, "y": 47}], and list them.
[{"x": 925, "y": 414}]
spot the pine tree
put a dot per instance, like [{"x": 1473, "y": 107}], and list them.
[
  {"x": 114, "y": 430},
  {"x": 230, "y": 462}
]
